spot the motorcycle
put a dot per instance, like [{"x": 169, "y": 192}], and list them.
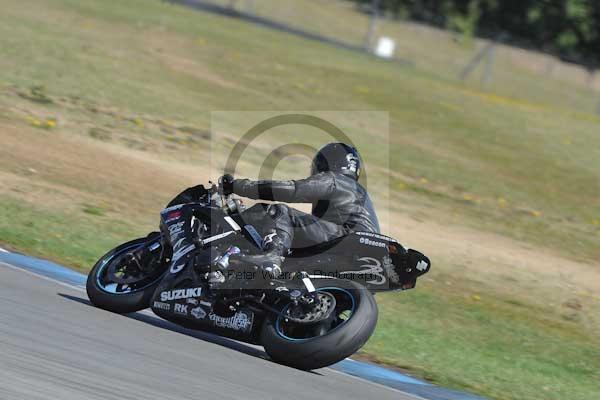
[{"x": 319, "y": 311}]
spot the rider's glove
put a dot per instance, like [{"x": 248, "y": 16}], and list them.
[{"x": 226, "y": 184}]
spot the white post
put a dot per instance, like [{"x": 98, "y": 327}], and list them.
[
  {"x": 486, "y": 79},
  {"x": 372, "y": 24}
]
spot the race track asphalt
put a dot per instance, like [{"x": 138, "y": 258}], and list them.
[{"x": 55, "y": 345}]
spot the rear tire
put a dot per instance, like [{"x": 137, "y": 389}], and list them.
[
  {"x": 121, "y": 303},
  {"x": 334, "y": 346}
]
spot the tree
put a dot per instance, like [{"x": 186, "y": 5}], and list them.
[{"x": 569, "y": 28}]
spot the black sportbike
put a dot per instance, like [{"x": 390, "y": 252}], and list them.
[{"x": 319, "y": 311}]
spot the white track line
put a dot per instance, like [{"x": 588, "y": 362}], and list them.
[
  {"x": 78, "y": 288},
  {"x": 3, "y": 251},
  {"x": 358, "y": 378},
  {"x": 58, "y": 282}
]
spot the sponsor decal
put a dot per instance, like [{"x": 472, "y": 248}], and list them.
[
  {"x": 390, "y": 271},
  {"x": 422, "y": 266},
  {"x": 268, "y": 239},
  {"x": 181, "y": 309},
  {"x": 198, "y": 313},
  {"x": 377, "y": 236},
  {"x": 309, "y": 285},
  {"x": 176, "y": 229},
  {"x": 253, "y": 234},
  {"x": 181, "y": 251},
  {"x": 176, "y": 207},
  {"x": 192, "y": 301},
  {"x": 177, "y": 268},
  {"x": 241, "y": 321},
  {"x": 178, "y": 254},
  {"x": 374, "y": 243},
  {"x": 205, "y": 303},
  {"x": 352, "y": 162},
  {"x": 179, "y": 294},
  {"x": 372, "y": 269},
  {"x": 232, "y": 223},
  {"x": 159, "y": 305},
  {"x": 216, "y": 237},
  {"x": 173, "y": 216}
]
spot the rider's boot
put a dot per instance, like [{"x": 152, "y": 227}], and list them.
[{"x": 270, "y": 261}]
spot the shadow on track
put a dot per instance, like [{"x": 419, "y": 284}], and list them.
[{"x": 161, "y": 323}]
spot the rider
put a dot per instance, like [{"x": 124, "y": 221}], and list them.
[{"x": 340, "y": 205}]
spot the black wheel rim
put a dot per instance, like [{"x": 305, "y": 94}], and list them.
[
  {"x": 345, "y": 307},
  {"x": 105, "y": 284}
]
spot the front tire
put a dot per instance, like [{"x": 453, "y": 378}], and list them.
[
  {"x": 335, "y": 345},
  {"x": 119, "y": 302}
]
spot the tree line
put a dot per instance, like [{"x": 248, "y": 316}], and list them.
[{"x": 568, "y": 28}]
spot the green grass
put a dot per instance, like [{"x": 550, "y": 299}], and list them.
[
  {"x": 93, "y": 210},
  {"x": 75, "y": 239},
  {"x": 495, "y": 347},
  {"x": 519, "y": 160}
]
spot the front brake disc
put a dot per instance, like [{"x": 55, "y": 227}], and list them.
[
  {"x": 321, "y": 310},
  {"x": 122, "y": 272}
]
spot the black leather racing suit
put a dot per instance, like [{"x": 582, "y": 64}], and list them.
[{"x": 340, "y": 205}]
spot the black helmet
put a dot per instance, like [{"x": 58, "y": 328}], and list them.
[{"x": 337, "y": 157}]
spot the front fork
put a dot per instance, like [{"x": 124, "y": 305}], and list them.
[{"x": 154, "y": 246}]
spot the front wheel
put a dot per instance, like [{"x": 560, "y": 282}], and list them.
[
  {"x": 311, "y": 346},
  {"x": 116, "y": 285}
]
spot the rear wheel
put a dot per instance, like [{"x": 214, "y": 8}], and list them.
[
  {"x": 118, "y": 284},
  {"x": 308, "y": 345}
]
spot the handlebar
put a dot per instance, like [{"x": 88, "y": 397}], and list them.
[{"x": 228, "y": 203}]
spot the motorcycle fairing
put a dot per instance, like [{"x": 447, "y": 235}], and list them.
[
  {"x": 185, "y": 308},
  {"x": 376, "y": 261}
]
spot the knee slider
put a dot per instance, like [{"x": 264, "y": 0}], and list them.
[{"x": 276, "y": 210}]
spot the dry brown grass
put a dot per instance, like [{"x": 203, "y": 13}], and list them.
[{"x": 61, "y": 170}]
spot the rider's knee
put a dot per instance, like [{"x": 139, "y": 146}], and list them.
[{"x": 276, "y": 211}]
